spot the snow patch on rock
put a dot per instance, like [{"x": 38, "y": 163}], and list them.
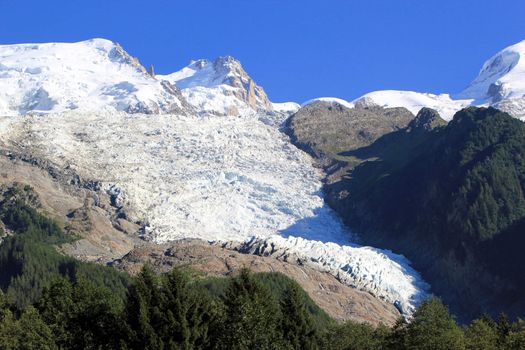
[{"x": 330, "y": 100}]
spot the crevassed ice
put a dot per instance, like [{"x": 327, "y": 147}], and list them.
[{"x": 218, "y": 179}]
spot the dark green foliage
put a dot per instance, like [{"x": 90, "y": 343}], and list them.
[
  {"x": 29, "y": 259},
  {"x": 251, "y": 316},
  {"x": 166, "y": 313},
  {"x": 83, "y": 315},
  {"x": 28, "y": 332},
  {"x": 481, "y": 335},
  {"x": 356, "y": 336},
  {"x": 297, "y": 326},
  {"x": 278, "y": 284},
  {"x": 452, "y": 200},
  {"x": 143, "y": 311},
  {"x": 433, "y": 328}
]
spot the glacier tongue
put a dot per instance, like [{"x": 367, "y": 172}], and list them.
[{"x": 220, "y": 179}]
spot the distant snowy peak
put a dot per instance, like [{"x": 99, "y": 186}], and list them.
[
  {"x": 413, "y": 101},
  {"x": 500, "y": 83},
  {"x": 87, "y": 76},
  {"x": 501, "y": 77},
  {"x": 220, "y": 87}
]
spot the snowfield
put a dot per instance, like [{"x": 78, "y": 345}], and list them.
[
  {"x": 87, "y": 76},
  {"x": 220, "y": 179}
]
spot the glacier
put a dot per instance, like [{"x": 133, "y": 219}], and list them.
[{"x": 219, "y": 179}]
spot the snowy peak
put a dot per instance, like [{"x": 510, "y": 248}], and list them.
[
  {"x": 500, "y": 83},
  {"x": 221, "y": 86},
  {"x": 86, "y": 76},
  {"x": 501, "y": 77}
]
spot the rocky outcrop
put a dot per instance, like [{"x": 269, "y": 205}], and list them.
[
  {"x": 76, "y": 204},
  {"x": 325, "y": 129},
  {"x": 220, "y": 87},
  {"x": 427, "y": 119}
]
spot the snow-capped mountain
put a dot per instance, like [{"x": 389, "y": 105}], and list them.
[
  {"x": 501, "y": 77},
  {"x": 86, "y": 76},
  {"x": 96, "y": 74},
  {"x": 500, "y": 83},
  {"x": 220, "y": 87},
  {"x": 189, "y": 170}
]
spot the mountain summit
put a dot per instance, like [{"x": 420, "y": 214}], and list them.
[
  {"x": 86, "y": 76},
  {"x": 501, "y": 82},
  {"x": 501, "y": 77},
  {"x": 221, "y": 87}
]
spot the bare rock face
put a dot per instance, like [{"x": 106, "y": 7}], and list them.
[
  {"x": 325, "y": 129},
  {"x": 75, "y": 204}
]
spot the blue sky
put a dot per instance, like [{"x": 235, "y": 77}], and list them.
[{"x": 295, "y": 49}]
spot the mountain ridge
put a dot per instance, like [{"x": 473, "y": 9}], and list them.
[{"x": 499, "y": 84}]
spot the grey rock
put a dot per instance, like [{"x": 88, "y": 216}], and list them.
[{"x": 325, "y": 129}]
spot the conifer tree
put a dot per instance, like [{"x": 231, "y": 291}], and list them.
[
  {"x": 143, "y": 311},
  {"x": 252, "y": 315},
  {"x": 94, "y": 320},
  {"x": 8, "y": 328},
  {"x": 296, "y": 324},
  {"x": 188, "y": 315},
  {"x": 433, "y": 328},
  {"x": 481, "y": 335},
  {"x": 55, "y": 307},
  {"x": 33, "y": 333}
]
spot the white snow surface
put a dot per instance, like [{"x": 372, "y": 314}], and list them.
[
  {"x": 221, "y": 179},
  {"x": 286, "y": 107},
  {"x": 88, "y": 76},
  {"x": 504, "y": 73},
  {"x": 414, "y": 101}
]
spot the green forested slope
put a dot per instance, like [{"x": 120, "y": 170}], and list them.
[{"x": 451, "y": 199}]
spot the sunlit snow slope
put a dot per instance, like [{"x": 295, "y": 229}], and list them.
[
  {"x": 88, "y": 76},
  {"x": 220, "y": 87}
]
